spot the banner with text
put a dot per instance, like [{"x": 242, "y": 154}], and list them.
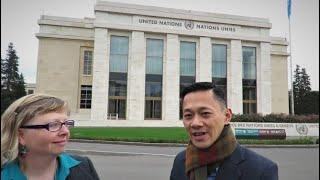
[{"x": 279, "y": 130}]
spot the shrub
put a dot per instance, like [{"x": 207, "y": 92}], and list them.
[{"x": 276, "y": 118}]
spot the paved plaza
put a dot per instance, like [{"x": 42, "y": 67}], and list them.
[{"x": 118, "y": 162}]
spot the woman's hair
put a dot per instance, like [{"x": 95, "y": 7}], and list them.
[{"x": 19, "y": 113}]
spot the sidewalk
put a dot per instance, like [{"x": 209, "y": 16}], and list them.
[
  {"x": 184, "y": 145},
  {"x": 111, "y": 158},
  {"x": 120, "y": 148}
]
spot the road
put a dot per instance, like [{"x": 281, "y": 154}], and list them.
[{"x": 119, "y": 162}]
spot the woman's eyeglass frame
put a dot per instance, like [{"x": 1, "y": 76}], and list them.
[{"x": 50, "y": 125}]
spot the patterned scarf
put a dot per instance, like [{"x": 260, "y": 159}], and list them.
[{"x": 200, "y": 162}]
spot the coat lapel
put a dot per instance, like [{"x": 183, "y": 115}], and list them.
[
  {"x": 228, "y": 171},
  {"x": 229, "y": 168}
]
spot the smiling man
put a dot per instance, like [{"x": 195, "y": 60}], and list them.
[{"x": 213, "y": 152}]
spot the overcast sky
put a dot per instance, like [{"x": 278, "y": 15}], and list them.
[{"x": 19, "y": 24}]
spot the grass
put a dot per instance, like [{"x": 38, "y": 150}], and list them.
[
  {"x": 162, "y": 135},
  {"x": 135, "y": 134}
]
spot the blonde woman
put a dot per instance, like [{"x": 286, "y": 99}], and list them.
[{"x": 34, "y": 132}]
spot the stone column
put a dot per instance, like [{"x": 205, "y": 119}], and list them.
[
  {"x": 203, "y": 66},
  {"x": 234, "y": 77},
  {"x": 136, "y": 78},
  {"x": 171, "y": 74},
  {"x": 99, "y": 104},
  {"x": 264, "y": 78}
]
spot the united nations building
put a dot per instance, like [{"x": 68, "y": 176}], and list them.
[{"x": 128, "y": 64}]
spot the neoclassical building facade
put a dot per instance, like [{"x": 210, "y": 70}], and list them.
[{"x": 127, "y": 66}]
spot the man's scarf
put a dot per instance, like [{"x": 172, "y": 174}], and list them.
[{"x": 200, "y": 162}]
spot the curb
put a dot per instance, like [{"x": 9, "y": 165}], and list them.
[
  {"x": 281, "y": 146},
  {"x": 113, "y": 153},
  {"x": 184, "y": 145},
  {"x": 128, "y": 143}
]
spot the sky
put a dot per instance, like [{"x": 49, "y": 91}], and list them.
[{"x": 19, "y": 25}]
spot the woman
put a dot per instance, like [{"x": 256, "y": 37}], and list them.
[{"x": 34, "y": 132}]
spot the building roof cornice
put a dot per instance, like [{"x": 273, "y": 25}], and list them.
[
  {"x": 66, "y": 21},
  {"x": 153, "y": 11},
  {"x": 279, "y": 41}
]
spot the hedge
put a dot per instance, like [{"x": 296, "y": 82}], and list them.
[{"x": 275, "y": 118}]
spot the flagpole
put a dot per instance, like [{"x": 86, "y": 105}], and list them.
[{"x": 290, "y": 54}]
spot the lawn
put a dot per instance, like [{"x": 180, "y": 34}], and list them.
[
  {"x": 160, "y": 135},
  {"x": 156, "y": 135}
]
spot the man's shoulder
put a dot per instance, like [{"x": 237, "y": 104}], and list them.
[
  {"x": 178, "y": 168},
  {"x": 249, "y": 165},
  {"x": 241, "y": 153},
  {"x": 254, "y": 165},
  {"x": 255, "y": 158},
  {"x": 181, "y": 156}
]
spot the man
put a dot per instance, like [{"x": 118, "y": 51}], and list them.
[{"x": 213, "y": 152}]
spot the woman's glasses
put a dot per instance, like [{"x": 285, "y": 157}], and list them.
[{"x": 52, "y": 126}]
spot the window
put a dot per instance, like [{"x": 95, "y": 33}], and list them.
[
  {"x": 87, "y": 63},
  {"x": 153, "y": 109},
  {"x": 187, "y": 58},
  {"x": 117, "y": 108},
  {"x": 153, "y": 89},
  {"x": 219, "y": 67},
  {"x": 85, "y": 99},
  {"x": 154, "y": 56},
  {"x": 219, "y": 61},
  {"x": 187, "y": 65},
  {"x": 119, "y": 54},
  {"x": 30, "y": 91},
  {"x": 249, "y": 80},
  {"x": 153, "y": 86},
  {"x": 249, "y": 99},
  {"x": 249, "y": 63},
  {"x": 118, "y": 84},
  {"x": 119, "y": 48}
]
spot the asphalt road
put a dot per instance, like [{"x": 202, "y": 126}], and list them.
[{"x": 122, "y": 162}]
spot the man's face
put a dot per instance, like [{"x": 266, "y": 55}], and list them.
[{"x": 204, "y": 117}]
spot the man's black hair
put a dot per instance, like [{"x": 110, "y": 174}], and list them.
[{"x": 204, "y": 86}]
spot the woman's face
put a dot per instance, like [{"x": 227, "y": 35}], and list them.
[{"x": 42, "y": 141}]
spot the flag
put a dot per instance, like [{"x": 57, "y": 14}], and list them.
[{"x": 289, "y": 8}]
